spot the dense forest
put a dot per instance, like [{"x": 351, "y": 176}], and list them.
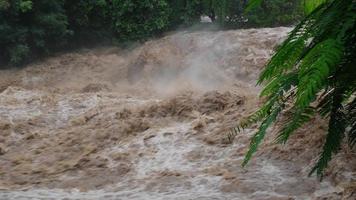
[{"x": 29, "y": 28}]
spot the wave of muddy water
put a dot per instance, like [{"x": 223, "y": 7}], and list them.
[{"x": 151, "y": 122}]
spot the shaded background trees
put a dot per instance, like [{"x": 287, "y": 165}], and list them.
[{"x": 29, "y": 28}]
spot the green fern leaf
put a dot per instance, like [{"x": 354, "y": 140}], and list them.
[
  {"x": 337, "y": 126},
  {"x": 258, "y": 137},
  {"x": 309, "y": 6},
  {"x": 351, "y": 113},
  {"x": 283, "y": 60},
  {"x": 352, "y": 136},
  {"x": 279, "y": 84},
  {"x": 317, "y": 60},
  {"x": 297, "y": 119},
  {"x": 315, "y": 68}
]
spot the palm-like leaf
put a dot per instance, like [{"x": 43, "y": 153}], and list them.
[{"x": 315, "y": 63}]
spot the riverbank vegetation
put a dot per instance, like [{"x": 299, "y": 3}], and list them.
[{"x": 32, "y": 28}]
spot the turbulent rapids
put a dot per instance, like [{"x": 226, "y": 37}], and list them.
[{"x": 151, "y": 123}]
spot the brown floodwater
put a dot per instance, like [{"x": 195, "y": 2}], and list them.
[{"x": 151, "y": 122}]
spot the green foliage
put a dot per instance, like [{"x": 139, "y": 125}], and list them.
[
  {"x": 137, "y": 19},
  {"x": 352, "y": 117},
  {"x": 184, "y": 12},
  {"x": 18, "y": 53},
  {"x": 4, "y": 4},
  {"x": 259, "y": 136},
  {"x": 314, "y": 66},
  {"x": 337, "y": 126},
  {"x": 293, "y": 122},
  {"x": 90, "y": 20},
  {"x": 30, "y": 26},
  {"x": 83, "y": 14},
  {"x": 224, "y": 12},
  {"x": 309, "y": 6},
  {"x": 231, "y": 14},
  {"x": 252, "y": 5},
  {"x": 273, "y": 13},
  {"x": 25, "y": 6}
]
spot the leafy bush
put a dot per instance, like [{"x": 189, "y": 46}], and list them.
[
  {"x": 137, "y": 19},
  {"x": 89, "y": 20},
  {"x": 230, "y": 13},
  {"x": 28, "y": 27},
  {"x": 274, "y": 13},
  {"x": 223, "y": 11},
  {"x": 34, "y": 27},
  {"x": 184, "y": 12}
]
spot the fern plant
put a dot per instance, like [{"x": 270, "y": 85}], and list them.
[{"x": 312, "y": 72}]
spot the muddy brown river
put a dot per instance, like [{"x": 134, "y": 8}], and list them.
[{"x": 151, "y": 122}]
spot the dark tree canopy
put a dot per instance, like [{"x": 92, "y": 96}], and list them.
[{"x": 30, "y": 28}]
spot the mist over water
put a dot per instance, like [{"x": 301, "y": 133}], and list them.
[{"x": 151, "y": 123}]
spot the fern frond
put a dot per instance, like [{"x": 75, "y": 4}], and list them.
[
  {"x": 328, "y": 52},
  {"x": 351, "y": 115},
  {"x": 318, "y": 56},
  {"x": 309, "y": 6},
  {"x": 257, "y": 116},
  {"x": 258, "y": 137},
  {"x": 350, "y": 21},
  {"x": 296, "y": 120},
  {"x": 281, "y": 82},
  {"x": 315, "y": 68},
  {"x": 337, "y": 126},
  {"x": 284, "y": 59},
  {"x": 325, "y": 103},
  {"x": 275, "y": 93},
  {"x": 332, "y": 144},
  {"x": 331, "y": 22},
  {"x": 291, "y": 51},
  {"x": 352, "y": 136}
]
